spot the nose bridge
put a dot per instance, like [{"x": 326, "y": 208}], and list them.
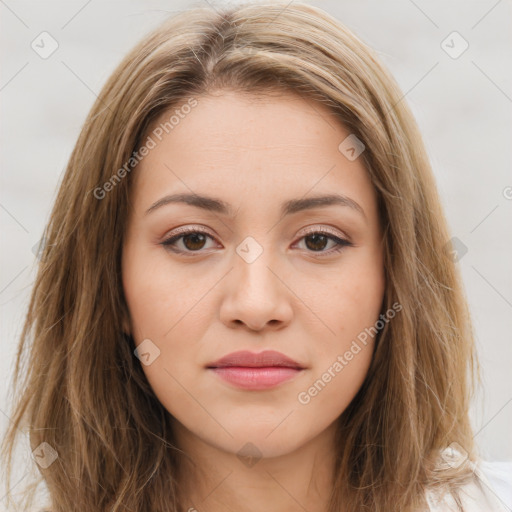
[
  {"x": 253, "y": 262},
  {"x": 255, "y": 295}
]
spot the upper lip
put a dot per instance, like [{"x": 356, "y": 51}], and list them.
[{"x": 251, "y": 360}]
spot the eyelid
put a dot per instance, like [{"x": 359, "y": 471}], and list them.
[
  {"x": 187, "y": 229},
  {"x": 322, "y": 228}
]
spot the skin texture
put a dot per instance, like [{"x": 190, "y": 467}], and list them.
[{"x": 297, "y": 297}]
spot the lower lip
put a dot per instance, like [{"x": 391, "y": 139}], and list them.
[{"x": 256, "y": 378}]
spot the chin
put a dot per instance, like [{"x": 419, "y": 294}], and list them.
[
  {"x": 247, "y": 445},
  {"x": 264, "y": 440}
]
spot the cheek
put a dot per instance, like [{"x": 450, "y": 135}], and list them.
[
  {"x": 159, "y": 298},
  {"x": 347, "y": 300},
  {"x": 168, "y": 307},
  {"x": 163, "y": 309},
  {"x": 330, "y": 391},
  {"x": 350, "y": 309}
]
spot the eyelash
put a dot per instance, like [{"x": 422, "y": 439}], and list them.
[{"x": 169, "y": 242}]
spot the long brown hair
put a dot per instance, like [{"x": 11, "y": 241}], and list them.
[{"x": 78, "y": 386}]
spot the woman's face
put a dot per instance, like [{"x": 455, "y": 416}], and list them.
[{"x": 263, "y": 270}]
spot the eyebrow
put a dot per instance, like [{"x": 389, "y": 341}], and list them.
[{"x": 289, "y": 207}]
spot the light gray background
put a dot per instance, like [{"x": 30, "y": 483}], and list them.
[{"x": 463, "y": 107}]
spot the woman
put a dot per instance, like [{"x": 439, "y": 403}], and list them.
[{"x": 245, "y": 299}]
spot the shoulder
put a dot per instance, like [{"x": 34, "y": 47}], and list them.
[
  {"x": 499, "y": 479},
  {"x": 489, "y": 490}
]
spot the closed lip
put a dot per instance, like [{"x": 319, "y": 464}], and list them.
[{"x": 247, "y": 359}]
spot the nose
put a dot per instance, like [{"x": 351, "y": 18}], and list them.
[{"x": 256, "y": 296}]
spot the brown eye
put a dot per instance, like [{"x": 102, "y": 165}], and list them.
[
  {"x": 191, "y": 241},
  {"x": 194, "y": 241},
  {"x": 317, "y": 241}
]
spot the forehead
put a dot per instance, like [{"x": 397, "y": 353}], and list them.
[
  {"x": 239, "y": 122},
  {"x": 235, "y": 144}
]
